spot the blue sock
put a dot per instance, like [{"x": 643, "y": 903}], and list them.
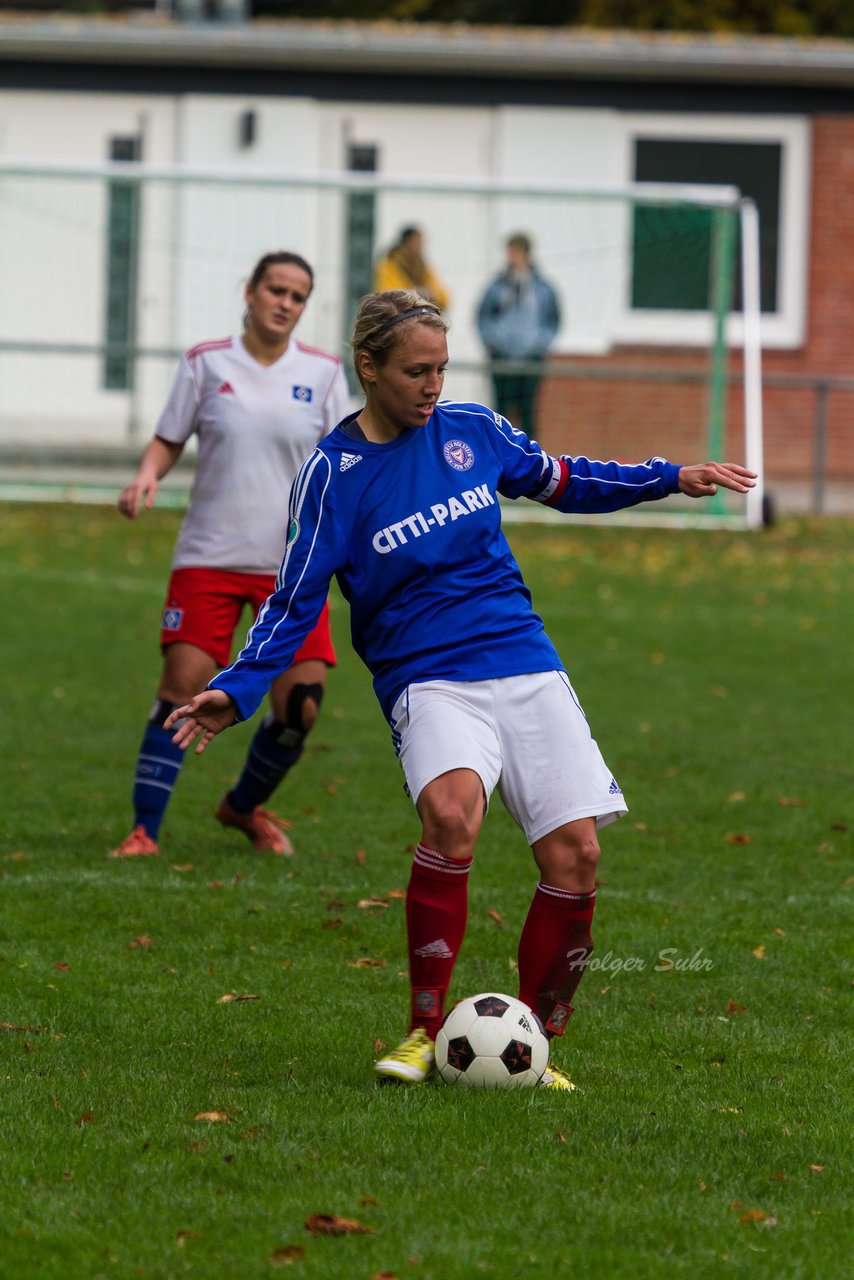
[
  {"x": 157, "y": 767},
  {"x": 272, "y": 752}
]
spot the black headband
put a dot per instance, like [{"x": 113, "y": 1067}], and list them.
[{"x": 405, "y": 315}]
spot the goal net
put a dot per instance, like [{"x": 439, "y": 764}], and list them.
[{"x": 108, "y": 273}]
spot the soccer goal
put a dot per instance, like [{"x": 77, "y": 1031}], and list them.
[{"x": 109, "y": 272}]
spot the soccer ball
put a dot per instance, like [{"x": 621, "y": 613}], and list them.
[{"x": 491, "y": 1042}]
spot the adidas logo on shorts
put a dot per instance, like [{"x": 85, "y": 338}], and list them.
[{"x": 349, "y": 460}]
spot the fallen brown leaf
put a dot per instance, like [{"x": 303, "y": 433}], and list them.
[
  {"x": 561, "y": 1137},
  {"x": 212, "y": 1117},
  {"x": 777, "y": 1177},
  {"x": 10, "y": 1026},
  {"x": 336, "y": 923},
  {"x": 363, "y": 903},
  {"x": 368, "y": 1200},
  {"x": 86, "y": 1118},
  {"x": 62, "y": 964},
  {"x": 739, "y": 838},
  {"x": 366, "y": 962},
  {"x": 732, "y": 1007},
  {"x": 183, "y": 867},
  {"x": 817, "y": 1168},
  {"x": 394, "y": 894},
  {"x": 230, "y": 997},
  {"x": 216, "y": 884},
  {"x": 497, "y": 917},
  {"x": 752, "y": 1215},
  {"x": 142, "y": 941},
  {"x": 759, "y": 952},
  {"x": 183, "y": 1236},
  {"x": 325, "y": 1224},
  {"x": 790, "y": 802},
  {"x": 360, "y": 857},
  {"x": 287, "y": 1255},
  {"x": 380, "y": 1046}
]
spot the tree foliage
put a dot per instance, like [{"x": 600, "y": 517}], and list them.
[{"x": 744, "y": 17}]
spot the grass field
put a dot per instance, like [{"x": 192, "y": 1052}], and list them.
[{"x": 149, "y": 1129}]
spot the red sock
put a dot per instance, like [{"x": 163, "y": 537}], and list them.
[
  {"x": 436, "y": 911},
  {"x": 553, "y": 952}
]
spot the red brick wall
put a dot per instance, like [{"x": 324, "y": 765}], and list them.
[{"x": 634, "y": 419}]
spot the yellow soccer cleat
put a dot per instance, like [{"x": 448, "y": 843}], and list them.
[
  {"x": 412, "y": 1062},
  {"x": 554, "y": 1078}
]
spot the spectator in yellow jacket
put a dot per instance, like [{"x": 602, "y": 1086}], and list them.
[{"x": 405, "y": 267}]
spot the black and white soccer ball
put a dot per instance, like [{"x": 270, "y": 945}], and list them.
[{"x": 491, "y": 1041}]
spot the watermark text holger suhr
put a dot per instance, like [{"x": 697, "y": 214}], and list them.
[{"x": 668, "y": 960}]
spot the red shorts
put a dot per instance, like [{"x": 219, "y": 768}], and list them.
[{"x": 203, "y": 607}]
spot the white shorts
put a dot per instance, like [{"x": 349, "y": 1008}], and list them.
[{"x": 526, "y": 735}]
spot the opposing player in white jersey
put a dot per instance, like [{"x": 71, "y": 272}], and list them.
[
  {"x": 258, "y": 404},
  {"x": 400, "y": 504}
]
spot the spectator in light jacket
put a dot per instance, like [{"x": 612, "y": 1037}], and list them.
[{"x": 518, "y": 318}]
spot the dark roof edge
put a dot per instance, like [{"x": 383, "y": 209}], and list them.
[{"x": 429, "y": 49}]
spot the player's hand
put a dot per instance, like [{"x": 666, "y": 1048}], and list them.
[
  {"x": 702, "y": 479},
  {"x": 207, "y": 714},
  {"x": 142, "y": 489}
]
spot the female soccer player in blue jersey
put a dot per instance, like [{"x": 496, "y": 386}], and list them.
[
  {"x": 400, "y": 504},
  {"x": 257, "y": 404}
]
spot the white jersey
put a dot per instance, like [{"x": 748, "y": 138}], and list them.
[{"x": 256, "y": 424}]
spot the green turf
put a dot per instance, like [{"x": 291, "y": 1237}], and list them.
[{"x": 711, "y": 1134}]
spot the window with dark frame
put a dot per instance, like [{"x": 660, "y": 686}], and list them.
[
  {"x": 672, "y": 246},
  {"x": 122, "y": 269},
  {"x": 359, "y": 237}
]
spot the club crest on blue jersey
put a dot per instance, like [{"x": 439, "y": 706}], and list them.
[
  {"x": 303, "y": 393},
  {"x": 172, "y": 619},
  {"x": 458, "y": 455},
  {"x": 293, "y": 531}
]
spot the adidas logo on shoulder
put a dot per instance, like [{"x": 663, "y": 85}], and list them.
[{"x": 349, "y": 460}]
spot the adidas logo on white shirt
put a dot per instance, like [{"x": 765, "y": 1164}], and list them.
[
  {"x": 438, "y": 949},
  {"x": 349, "y": 460}
]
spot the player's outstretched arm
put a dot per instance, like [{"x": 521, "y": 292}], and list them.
[
  {"x": 207, "y": 714},
  {"x": 703, "y": 478}
]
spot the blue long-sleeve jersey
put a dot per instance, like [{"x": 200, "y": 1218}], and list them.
[{"x": 412, "y": 531}]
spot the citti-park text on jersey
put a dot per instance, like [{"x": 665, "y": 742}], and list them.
[{"x": 393, "y": 535}]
